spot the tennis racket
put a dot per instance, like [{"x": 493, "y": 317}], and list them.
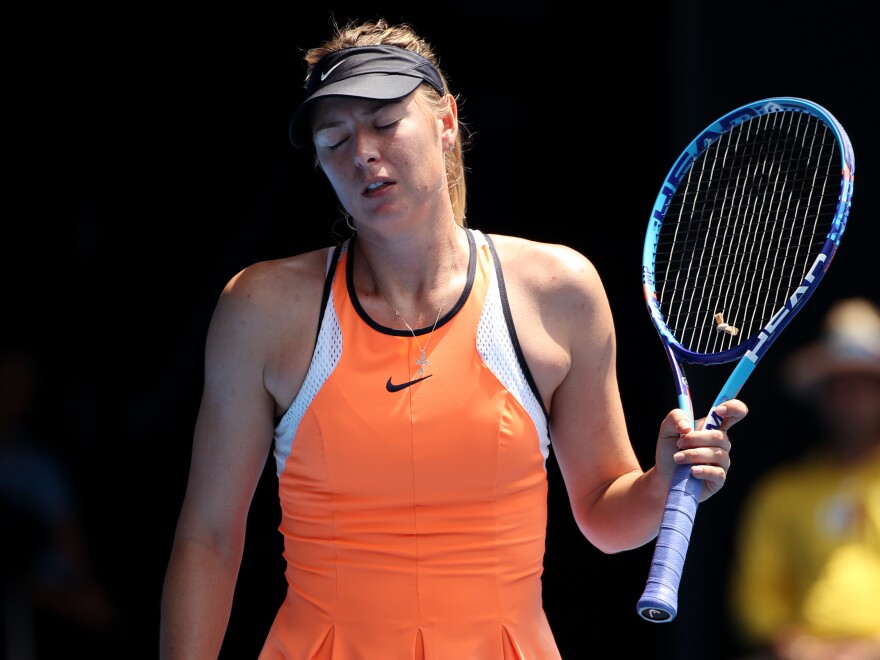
[{"x": 742, "y": 232}]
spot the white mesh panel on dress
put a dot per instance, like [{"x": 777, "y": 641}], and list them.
[
  {"x": 496, "y": 348},
  {"x": 328, "y": 349}
]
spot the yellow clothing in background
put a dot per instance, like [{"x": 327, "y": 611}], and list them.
[{"x": 808, "y": 552}]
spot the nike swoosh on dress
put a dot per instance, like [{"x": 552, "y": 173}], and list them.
[{"x": 391, "y": 387}]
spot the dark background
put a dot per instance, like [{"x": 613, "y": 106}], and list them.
[{"x": 152, "y": 163}]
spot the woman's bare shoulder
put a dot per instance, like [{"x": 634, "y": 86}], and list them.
[
  {"x": 274, "y": 293},
  {"x": 272, "y": 276},
  {"x": 544, "y": 264}
]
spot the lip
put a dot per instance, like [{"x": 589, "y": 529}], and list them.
[{"x": 377, "y": 192}]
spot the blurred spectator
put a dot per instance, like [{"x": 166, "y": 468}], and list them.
[
  {"x": 807, "y": 563},
  {"x": 51, "y": 599}
]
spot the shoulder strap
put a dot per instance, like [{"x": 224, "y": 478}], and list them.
[{"x": 332, "y": 261}]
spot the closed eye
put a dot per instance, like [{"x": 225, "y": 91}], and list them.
[
  {"x": 334, "y": 147},
  {"x": 382, "y": 128}
]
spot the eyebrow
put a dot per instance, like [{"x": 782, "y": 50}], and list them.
[{"x": 372, "y": 110}]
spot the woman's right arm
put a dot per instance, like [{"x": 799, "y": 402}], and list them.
[{"x": 233, "y": 435}]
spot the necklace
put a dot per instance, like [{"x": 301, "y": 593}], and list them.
[{"x": 422, "y": 360}]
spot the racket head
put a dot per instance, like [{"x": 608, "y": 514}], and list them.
[{"x": 745, "y": 225}]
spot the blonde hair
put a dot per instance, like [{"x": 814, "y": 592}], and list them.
[{"x": 380, "y": 33}]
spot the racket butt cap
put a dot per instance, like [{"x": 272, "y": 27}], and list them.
[{"x": 656, "y": 608}]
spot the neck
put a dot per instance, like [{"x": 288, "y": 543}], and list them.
[{"x": 411, "y": 287}]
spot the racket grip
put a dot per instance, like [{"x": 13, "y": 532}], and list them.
[{"x": 659, "y": 601}]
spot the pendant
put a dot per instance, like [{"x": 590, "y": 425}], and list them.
[{"x": 421, "y": 362}]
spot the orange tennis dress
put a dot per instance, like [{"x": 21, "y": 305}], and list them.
[{"x": 414, "y": 506}]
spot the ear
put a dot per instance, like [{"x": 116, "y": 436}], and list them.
[{"x": 449, "y": 124}]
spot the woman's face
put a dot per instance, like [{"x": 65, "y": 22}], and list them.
[{"x": 384, "y": 159}]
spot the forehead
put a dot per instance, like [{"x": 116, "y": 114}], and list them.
[{"x": 334, "y": 110}]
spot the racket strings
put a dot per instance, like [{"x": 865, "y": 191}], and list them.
[{"x": 744, "y": 227}]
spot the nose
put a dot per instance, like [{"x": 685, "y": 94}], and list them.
[{"x": 365, "y": 149}]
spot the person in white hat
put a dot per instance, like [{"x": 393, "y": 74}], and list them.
[{"x": 806, "y": 574}]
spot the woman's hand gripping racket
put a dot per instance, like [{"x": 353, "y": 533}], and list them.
[{"x": 743, "y": 230}]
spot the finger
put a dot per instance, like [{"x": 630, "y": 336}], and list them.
[
  {"x": 710, "y": 438},
  {"x": 679, "y": 423},
  {"x": 731, "y": 412},
  {"x": 702, "y": 455},
  {"x": 712, "y": 477},
  {"x": 710, "y": 473}
]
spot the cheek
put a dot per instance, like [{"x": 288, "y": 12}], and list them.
[
  {"x": 334, "y": 177},
  {"x": 423, "y": 160},
  {"x": 403, "y": 154}
]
